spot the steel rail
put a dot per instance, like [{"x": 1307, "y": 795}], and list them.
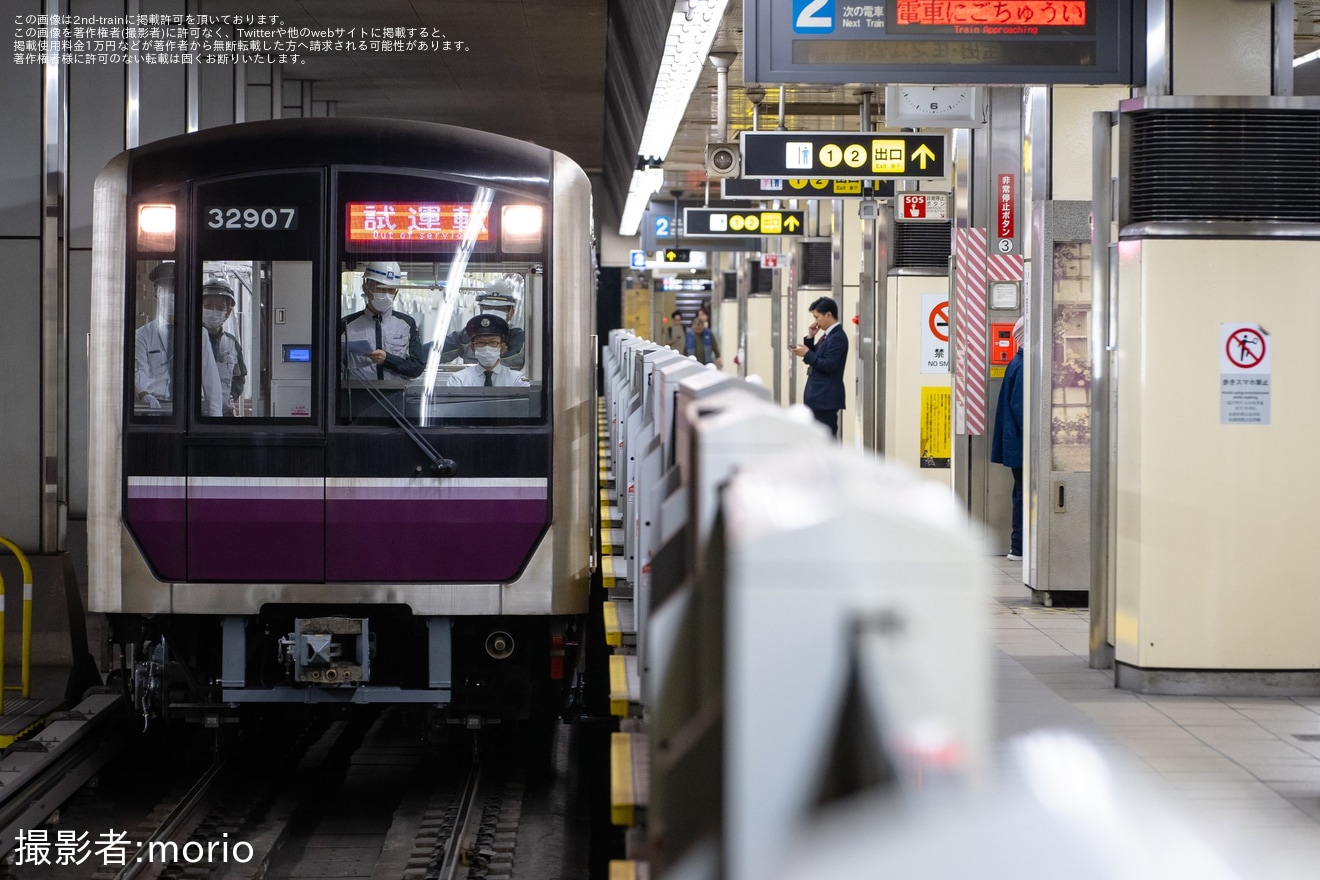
[
  {"x": 178, "y": 824},
  {"x": 452, "y": 861}
]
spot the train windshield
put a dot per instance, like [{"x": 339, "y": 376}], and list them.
[{"x": 440, "y": 342}]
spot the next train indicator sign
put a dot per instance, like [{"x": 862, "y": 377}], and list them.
[
  {"x": 843, "y": 154},
  {"x": 736, "y": 221},
  {"x": 968, "y": 42}
]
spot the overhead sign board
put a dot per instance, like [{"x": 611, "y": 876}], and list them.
[
  {"x": 846, "y": 155},
  {"x": 736, "y": 221},
  {"x": 803, "y": 188},
  {"x": 970, "y": 42},
  {"x": 676, "y": 255}
]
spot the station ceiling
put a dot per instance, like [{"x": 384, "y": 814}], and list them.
[{"x": 537, "y": 69}]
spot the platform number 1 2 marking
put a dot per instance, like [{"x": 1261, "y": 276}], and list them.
[{"x": 813, "y": 16}]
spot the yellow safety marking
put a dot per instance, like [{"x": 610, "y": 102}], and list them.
[
  {"x": 618, "y": 685},
  {"x": 606, "y": 545},
  {"x": 613, "y": 634},
  {"x": 621, "y": 779},
  {"x": 621, "y": 870},
  {"x": 607, "y": 571}
]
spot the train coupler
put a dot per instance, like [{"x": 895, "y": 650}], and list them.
[{"x": 328, "y": 651}]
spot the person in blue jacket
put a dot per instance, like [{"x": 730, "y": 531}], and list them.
[
  {"x": 826, "y": 359},
  {"x": 700, "y": 342},
  {"x": 1006, "y": 444}
]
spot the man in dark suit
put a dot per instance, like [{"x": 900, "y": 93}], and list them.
[{"x": 826, "y": 358}]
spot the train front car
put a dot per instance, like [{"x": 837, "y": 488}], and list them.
[{"x": 364, "y": 470}]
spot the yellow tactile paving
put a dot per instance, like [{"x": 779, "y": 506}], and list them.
[
  {"x": 619, "y": 685},
  {"x": 622, "y": 800},
  {"x": 621, "y": 870},
  {"x": 613, "y": 633},
  {"x": 607, "y": 571}
]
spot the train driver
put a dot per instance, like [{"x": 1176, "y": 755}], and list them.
[
  {"x": 490, "y": 340},
  {"x": 492, "y": 302},
  {"x": 153, "y": 369},
  {"x": 379, "y": 342},
  {"x": 218, "y": 302}
]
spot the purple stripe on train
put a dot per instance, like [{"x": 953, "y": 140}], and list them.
[
  {"x": 471, "y": 540},
  {"x": 159, "y": 526},
  {"x": 372, "y": 534},
  {"x": 256, "y": 539}
]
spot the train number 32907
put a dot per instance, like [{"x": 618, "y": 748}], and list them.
[{"x": 252, "y": 218}]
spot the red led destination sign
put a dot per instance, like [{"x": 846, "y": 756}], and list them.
[
  {"x": 983, "y": 16},
  {"x": 414, "y": 222}
]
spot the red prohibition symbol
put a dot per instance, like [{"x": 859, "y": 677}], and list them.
[
  {"x": 939, "y": 321},
  {"x": 1245, "y": 348}
]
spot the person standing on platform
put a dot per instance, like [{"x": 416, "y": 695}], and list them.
[
  {"x": 1006, "y": 444},
  {"x": 675, "y": 333},
  {"x": 826, "y": 359},
  {"x": 699, "y": 341}
]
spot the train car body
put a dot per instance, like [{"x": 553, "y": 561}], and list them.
[{"x": 274, "y": 516}]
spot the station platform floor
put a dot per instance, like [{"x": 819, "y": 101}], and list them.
[{"x": 1242, "y": 773}]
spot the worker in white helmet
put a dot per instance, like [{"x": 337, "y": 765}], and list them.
[
  {"x": 381, "y": 343},
  {"x": 218, "y": 302}
]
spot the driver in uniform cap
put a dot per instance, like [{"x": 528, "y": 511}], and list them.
[
  {"x": 218, "y": 303},
  {"x": 489, "y": 335},
  {"x": 380, "y": 342},
  {"x": 492, "y": 302}
]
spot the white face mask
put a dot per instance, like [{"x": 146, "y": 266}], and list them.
[
  {"x": 487, "y": 355},
  {"x": 214, "y": 319},
  {"x": 165, "y": 306},
  {"x": 382, "y": 302}
]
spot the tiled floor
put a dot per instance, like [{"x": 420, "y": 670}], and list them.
[{"x": 1234, "y": 769}]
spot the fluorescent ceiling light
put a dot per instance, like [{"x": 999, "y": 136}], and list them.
[
  {"x": 1303, "y": 59},
  {"x": 691, "y": 31},
  {"x": 645, "y": 181}
]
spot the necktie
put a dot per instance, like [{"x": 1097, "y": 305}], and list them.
[
  {"x": 380, "y": 369},
  {"x": 489, "y": 373}
]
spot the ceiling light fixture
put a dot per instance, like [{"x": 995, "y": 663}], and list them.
[
  {"x": 645, "y": 181},
  {"x": 692, "y": 29},
  {"x": 1303, "y": 59}
]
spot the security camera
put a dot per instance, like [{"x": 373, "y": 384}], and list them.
[{"x": 723, "y": 160}]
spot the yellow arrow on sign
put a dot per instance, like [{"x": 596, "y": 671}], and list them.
[
  {"x": 791, "y": 223},
  {"x": 671, "y": 255},
  {"x": 921, "y": 154}
]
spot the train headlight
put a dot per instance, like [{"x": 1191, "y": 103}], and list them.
[
  {"x": 520, "y": 227},
  {"x": 155, "y": 228}
]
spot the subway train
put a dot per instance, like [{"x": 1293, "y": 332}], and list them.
[{"x": 313, "y": 495}]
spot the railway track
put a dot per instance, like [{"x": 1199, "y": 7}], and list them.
[{"x": 361, "y": 796}]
